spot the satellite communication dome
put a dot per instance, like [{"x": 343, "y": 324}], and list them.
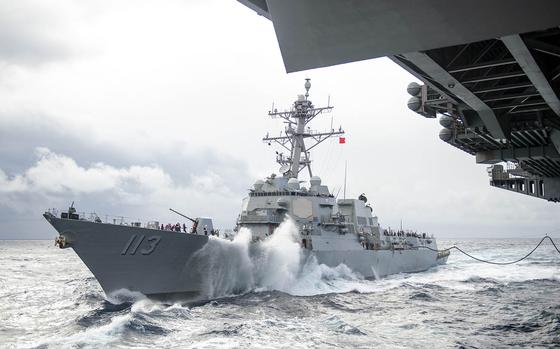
[
  {"x": 446, "y": 121},
  {"x": 258, "y": 184},
  {"x": 315, "y": 180},
  {"x": 413, "y": 89},
  {"x": 414, "y": 103},
  {"x": 445, "y": 134}
]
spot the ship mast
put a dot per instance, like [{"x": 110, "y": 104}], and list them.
[{"x": 294, "y": 136}]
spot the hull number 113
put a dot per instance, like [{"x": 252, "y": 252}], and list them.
[{"x": 133, "y": 244}]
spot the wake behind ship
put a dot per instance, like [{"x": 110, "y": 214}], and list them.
[{"x": 170, "y": 264}]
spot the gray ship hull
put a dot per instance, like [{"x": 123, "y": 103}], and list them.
[
  {"x": 152, "y": 262},
  {"x": 160, "y": 263},
  {"x": 375, "y": 264}
]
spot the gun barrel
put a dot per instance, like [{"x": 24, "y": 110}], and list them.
[{"x": 180, "y": 214}]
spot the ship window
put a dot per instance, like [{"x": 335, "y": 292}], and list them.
[
  {"x": 370, "y": 221},
  {"x": 362, "y": 221}
]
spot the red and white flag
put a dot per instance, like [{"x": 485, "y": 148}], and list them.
[{"x": 341, "y": 140}]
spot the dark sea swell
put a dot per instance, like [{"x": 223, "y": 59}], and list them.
[{"x": 48, "y": 299}]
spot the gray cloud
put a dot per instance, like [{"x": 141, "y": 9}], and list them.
[
  {"x": 22, "y": 133},
  {"x": 45, "y": 164},
  {"x": 26, "y": 34}
]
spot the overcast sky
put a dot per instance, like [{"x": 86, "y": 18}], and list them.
[{"x": 132, "y": 107}]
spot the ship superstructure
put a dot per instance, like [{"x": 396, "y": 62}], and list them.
[{"x": 334, "y": 230}]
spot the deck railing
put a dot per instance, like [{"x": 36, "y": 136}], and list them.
[
  {"x": 108, "y": 219},
  {"x": 127, "y": 221}
]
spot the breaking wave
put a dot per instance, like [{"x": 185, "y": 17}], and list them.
[
  {"x": 277, "y": 263},
  {"x": 108, "y": 324}
]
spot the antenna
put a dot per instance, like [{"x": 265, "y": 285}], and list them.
[
  {"x": 284, "y": 168},
  {"x": 297, "y": 131},
  {"x": 345, "y": 170},
  {"x": 337, "y": 192}
]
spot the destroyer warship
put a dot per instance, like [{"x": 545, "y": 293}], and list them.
[{"x": 166, "y": 263}]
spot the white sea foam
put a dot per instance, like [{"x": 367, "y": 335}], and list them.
[
  {"x": 95, "y": 336},
  {"x": 124, "y": 296},
  {"x": 225, "y": 266},
  {"x": 277, "y": 263},
  {"x": 279, "y": 258}
]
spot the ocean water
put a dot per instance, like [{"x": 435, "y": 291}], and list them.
[{"x": 49, "y": 299}]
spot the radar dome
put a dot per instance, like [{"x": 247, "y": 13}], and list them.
[
  {"x": 445, "y": 134},
  {"x": 446, "y": 121},
  {"x": 414, "y": 103},
  {"x": 413, "y": 89},
  {"x": 258, "y": 185},
  {"x": 293, "y": 184},
  {"x": 315, "y": 180}
]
